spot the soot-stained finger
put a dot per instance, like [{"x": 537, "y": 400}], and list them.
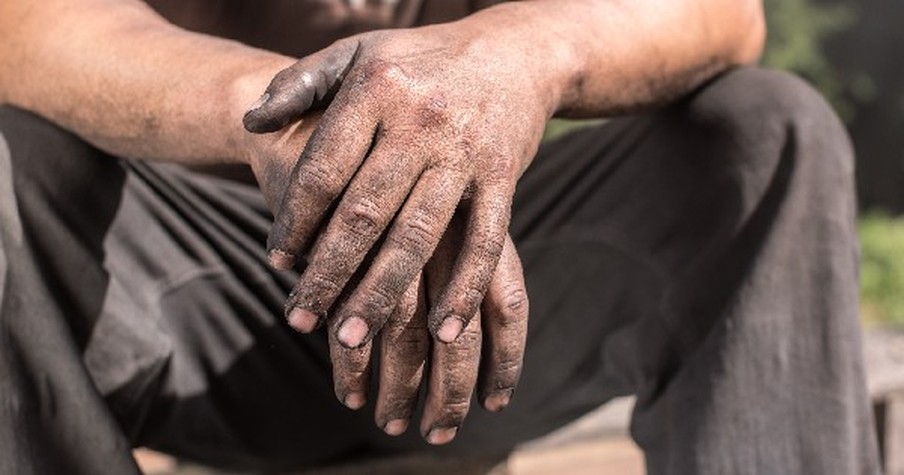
[
  {"x": 351, "y": 373},
  {"x": 404, "y": 344},
  {"x": 453, "y": 376},
  {"x": 483, "y": 242},
  {"x": 367, "y": 206},
  {"x": 505, "y": 315},
  {"x": 453, "y": 366},
  {"x": 329, "y": 161},
  {"x": 309, "y": 83},
  {"x": 409, "y": 243}
]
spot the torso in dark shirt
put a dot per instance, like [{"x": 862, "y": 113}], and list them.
[{"x": 300, "y": 27}]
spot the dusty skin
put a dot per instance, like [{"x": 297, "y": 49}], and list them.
[
  {"x": 397, "y": 150},
  {"x": 416, "y": 121}
]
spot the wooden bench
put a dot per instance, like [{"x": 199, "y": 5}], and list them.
[{"x": 884, "y": 358}]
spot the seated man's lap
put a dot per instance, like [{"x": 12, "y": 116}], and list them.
[{"x": 190, "y": 350}]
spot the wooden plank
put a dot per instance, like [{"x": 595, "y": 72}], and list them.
[
  {"x": 893, "y": 442},
  {"x": 592, "y": 457}
]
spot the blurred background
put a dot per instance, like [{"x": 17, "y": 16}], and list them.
[{"x": 853, "y": 51}]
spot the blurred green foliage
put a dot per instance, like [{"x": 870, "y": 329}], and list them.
[
  {"x": 798, "y": 32},
  {"x": 559, "y": 127},
  {"x": 882, "y": 268}
]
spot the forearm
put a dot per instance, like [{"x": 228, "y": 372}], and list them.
[
  {"x": 606, "y": 57},
  {"x": 122, "y": 78}
]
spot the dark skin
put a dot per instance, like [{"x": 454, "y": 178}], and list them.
[
  {"x": 425, "y": 156},
  {"x": 402, "y": 150},
  {"x": 404, "y": 225},
  {"x": 405, "y": 341}
]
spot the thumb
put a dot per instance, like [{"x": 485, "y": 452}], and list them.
[{"x": 309, "y": 83}]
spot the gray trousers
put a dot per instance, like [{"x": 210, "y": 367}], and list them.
[{"x": 702, "y": 257}]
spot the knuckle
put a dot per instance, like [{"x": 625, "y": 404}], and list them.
[
  {"x": 468, "y": 301},
  {"x": 513, "y": 306},
  {"x": 507, "y": 371},
  {"x": 489, "y": 247},
  {"x": 433, "y": 112},
  {"x": 417, "y": 235},
  {"x": 363, "y": 217},
  {"x": 383, "y": 73},
  {"x": 324, "y": 283},
  {"x": 380, "y": 301},
  {"x": 320, "y": 177},
  {"x": 280, "y": 238}
]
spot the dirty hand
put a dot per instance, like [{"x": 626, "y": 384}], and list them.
[
  {"x": 488, "y": 353},
  {"x": 419, "y": 122},
  {"x": 404, "y": 340}
]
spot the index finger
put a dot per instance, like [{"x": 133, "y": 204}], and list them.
[{"x": 329, "y": 161}]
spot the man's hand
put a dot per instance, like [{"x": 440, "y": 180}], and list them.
[
  {"x": 447, "y": 111},
  {"x": 489, "y": 353},
  {"x": 422, "y": 119},
  {"x": 421, "y": 124}
]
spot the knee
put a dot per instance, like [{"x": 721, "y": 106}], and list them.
[
  {"x": 757, "y": 107},
  {"x": 777, "y": 123}
]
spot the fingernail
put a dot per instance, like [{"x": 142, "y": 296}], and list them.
[
  {"x": 302, "y": 320},
  {"x": 259, "y": 102},
  {"x": 498, "y": 400},
  {"x": 281, "y": 260},
  {"x": 441, "y": 435},
  {"x": 396, "y": 427},
  {"x": 353, "y": 332},
  {"x": 450, "y": 329},
  {"x": 354, "y": 400}
]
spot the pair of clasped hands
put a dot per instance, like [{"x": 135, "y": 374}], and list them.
[{"x": 399, "y": 205}]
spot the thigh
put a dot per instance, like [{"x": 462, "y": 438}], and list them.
[
  {"x": 240, "y": 389},
  {"x": 154, "y": 304},
  {"x": 48, "y": 405},
  {"x": 703, "y": 257}
]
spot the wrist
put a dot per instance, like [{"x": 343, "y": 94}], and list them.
[{"x": 551, "y": 58}]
